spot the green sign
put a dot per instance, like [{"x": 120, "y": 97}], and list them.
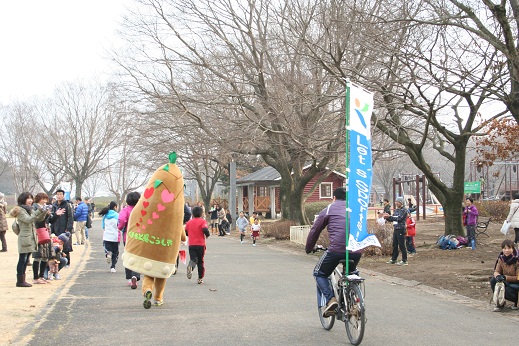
[{"x": 472, "y": 187}]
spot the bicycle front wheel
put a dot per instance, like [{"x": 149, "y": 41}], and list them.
[
  {"x": 355, "y": 318},
  {"x": 328, "y": 321}
]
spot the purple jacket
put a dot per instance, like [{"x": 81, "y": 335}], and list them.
[
  {"x": 472, "y": 217},
  {"x": 333, "y": 216}
]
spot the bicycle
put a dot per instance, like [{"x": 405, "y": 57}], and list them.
[{"x": 349, "y": 292}]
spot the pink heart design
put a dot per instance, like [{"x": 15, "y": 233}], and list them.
[
  {"x": 137, "y": 224},
  {"x": 143, "y": 212},
  {"x": 160, "y": 207},
  {"x": 148, "y": 192},
  {"x": 145, "y": 204},
  {"x": 143, "y": 227},
  {"x": 150, "y": 222},
  {"x": 140, "y": 219},
  {"x": 155, "y": 215},
  {"x": 167, "y": 196}
]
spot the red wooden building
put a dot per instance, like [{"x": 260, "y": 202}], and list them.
[{"x": 259, "y": 191}]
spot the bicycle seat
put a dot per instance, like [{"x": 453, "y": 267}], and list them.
[{"x": 343, "y": 262}]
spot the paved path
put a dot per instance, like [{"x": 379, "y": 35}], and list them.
[{"x": 252, "y": 296}]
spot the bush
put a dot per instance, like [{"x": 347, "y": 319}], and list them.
[
  {"x": 279, "y": 230},
  {"x": 384, "y": 236},
  {"x": 314, "y": 208},
  {"x": 498, "y": 210}
]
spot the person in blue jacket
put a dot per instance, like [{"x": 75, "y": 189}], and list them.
[{"x": 80, "y": 216}]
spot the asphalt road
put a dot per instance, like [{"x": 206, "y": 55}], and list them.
[{"x": 253, "y": 296}]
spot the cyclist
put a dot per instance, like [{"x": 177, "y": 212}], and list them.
[{"x": 333, "y": 217}]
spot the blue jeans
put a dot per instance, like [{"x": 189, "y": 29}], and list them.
[
  {"x": 471, "y": 232},
  {"x": 325, "y": 267},
  {"x": 409, "y": 243}
]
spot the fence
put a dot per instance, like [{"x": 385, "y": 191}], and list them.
[{"x": 298, "y": 234}]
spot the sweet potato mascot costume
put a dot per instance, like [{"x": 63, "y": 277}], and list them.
[{"x": 155, "y": 231}]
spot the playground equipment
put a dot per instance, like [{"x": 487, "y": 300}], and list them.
[
  {"x": 499, "y": 181},
  {"x": 416, "y": 187}
]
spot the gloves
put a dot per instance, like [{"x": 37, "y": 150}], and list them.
[{"x": 501, "y": 278}]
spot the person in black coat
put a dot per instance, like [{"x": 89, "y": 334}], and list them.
[{"x": 64, "y": 222}]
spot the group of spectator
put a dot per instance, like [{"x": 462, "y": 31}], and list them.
[{"x": 44, "y": 232}]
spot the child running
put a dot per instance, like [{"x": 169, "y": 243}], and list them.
[
  {"x": 110, "y": 234},
  {"x": 131, "y": 200},
  {"x": 255, "y": 228},
  {"x": 197, "y": 231},
  {"x": 241, "y": 224}
]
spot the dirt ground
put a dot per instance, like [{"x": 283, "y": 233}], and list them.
[
  {"x": 23, "y": 307},
  {"x": 463, "y": 271}
]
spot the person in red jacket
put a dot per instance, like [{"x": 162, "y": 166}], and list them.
[
  {"x": 197, "y": 231},
  {"x": 411, "y": 232}
]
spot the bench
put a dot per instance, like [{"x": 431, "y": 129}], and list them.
[{"x": 482, "y": 227}]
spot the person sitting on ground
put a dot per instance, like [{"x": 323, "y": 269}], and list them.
[{"x": 505, "y": 270}]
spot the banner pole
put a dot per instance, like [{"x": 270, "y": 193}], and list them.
[{"x": 347, "y": 123}]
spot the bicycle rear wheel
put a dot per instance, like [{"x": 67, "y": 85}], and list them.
[{"x": 355, "y": 318}]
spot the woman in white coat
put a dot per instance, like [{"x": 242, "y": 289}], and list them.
[{"x": 513, "y": 216}]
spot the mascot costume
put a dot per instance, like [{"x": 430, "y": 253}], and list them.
[{"x": 155, "y": 230}]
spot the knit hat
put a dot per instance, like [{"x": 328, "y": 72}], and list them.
[
  {"x": 400, "y": 200},
  {"x": 63, "y": 237}
]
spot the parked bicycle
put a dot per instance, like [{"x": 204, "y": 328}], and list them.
[{"x": 349, "y": 292}]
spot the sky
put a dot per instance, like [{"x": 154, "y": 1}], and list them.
[{"x": 46, "y": 43}]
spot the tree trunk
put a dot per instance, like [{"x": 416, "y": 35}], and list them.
[
  {"x": 452, "y": 198},
  {"x": 452, "y": 209},
  {"x": 291, "y": 199}
]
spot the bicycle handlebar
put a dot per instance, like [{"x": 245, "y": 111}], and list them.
[{"x": 319, "y": 248}]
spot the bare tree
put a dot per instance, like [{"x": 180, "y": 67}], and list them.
[
  {"x": 81, "y": 123},
  {"x": 125, "y": 163},
  {"x": 431, "y": 83},
  {"x": 489, "y": 24},
  {"x": 242, "y": 74},
  {"x": 18, "y": 145}
]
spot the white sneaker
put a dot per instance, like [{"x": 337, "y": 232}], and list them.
[
  {"x": 112, "y": 270},
  {"x": 253, "y": 244},
  {"x": 57, "y": 277}
]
